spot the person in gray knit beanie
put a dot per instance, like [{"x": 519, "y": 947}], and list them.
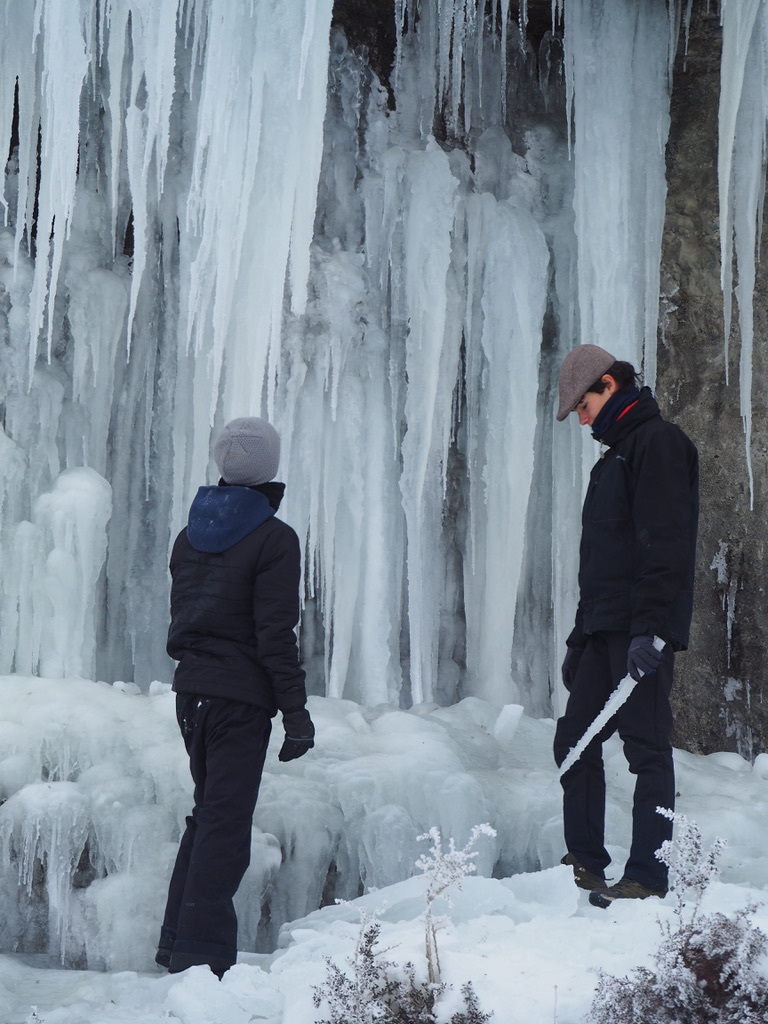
[
  {"x": 235, "y": 602},
  {"x": 247, "y": 451}
]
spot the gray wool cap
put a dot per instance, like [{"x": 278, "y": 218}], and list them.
[
  {"x": 581, "y": 367},
  {"x": 247, "y": 451}
]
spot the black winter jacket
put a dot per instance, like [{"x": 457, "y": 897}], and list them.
[
  {"x": 235, "y": 601},
  {"x": 639, "y": 525}
]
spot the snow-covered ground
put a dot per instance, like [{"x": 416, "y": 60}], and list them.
[{"x": 85, "y": 765}]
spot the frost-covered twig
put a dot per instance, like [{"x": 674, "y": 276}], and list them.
[
  {"x": 444, "y": 870},
  {"x": 377, "y": 991},
  {"x": 690, "y": 868}
]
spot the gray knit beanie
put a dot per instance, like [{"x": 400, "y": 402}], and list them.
[
  {"x": 247, "y": 451},
  {"x": 581, "y": 367}
]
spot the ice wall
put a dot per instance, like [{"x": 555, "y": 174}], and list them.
[
  {"x": 179, "y": 151},
  {"x": 233, "y": 216},
  {"x": 429, "y": 288}
]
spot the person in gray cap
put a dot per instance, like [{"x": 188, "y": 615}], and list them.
[
  {"x": 235, "y": 573},
  {"x": 636, "y": 568}
]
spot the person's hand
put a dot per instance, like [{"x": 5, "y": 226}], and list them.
[
  {"x": 299, "y": 735},
  {"x": 570, "y": 664},
  {"x": 643, "y": 657}
]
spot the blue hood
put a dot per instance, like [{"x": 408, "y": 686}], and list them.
[{"x": 219, "y": 517}]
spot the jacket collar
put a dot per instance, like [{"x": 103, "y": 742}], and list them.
[
  {"x": 273, "y": 491},
  {"x": 220, "y": 517},
  {"x": 645, "y": 408},
  {"x": 612, "y": 410}
]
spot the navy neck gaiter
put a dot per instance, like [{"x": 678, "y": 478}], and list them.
[{"x": 611, "y": 411}]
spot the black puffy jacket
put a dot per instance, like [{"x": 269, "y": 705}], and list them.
[
  {"x": 235, "y": 600},
  {"x": 639, "y": 524}
]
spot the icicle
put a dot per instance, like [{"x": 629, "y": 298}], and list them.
[
  {"x": 431, "y": 365},
  {"x": 738, "y": 25},
  {"x": 116, "y": 18},
  {"x": 250, "y": 169},
  {"x": 749, "y": 186},
  {"x": 17, "y": 66},
  {"x": 505, "y": 308},
  {"x": 446, "y": 17},
  {"x": 147, "y": 131},
  {"x": 687, "y": 27},
  {"x": 401, "y": 14},
  {"x": 557, "y": 12},
  {"x": 58, "y": 30},
  {"x": 503, "y": 56},
  {"x": 73, "y": 519},
  {"x": 618, "y": 99},
  {"x": 43, "y": 831},
  {"x": 741, "y": 173}
]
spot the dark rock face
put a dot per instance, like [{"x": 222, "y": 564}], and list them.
[
  {"x": 719, "y": 690},
  {"x": 369, "y": 24},
  {"x": 718, "y": 696}
]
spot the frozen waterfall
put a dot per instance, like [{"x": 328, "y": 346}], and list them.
[{"x": 216, "y": 209}]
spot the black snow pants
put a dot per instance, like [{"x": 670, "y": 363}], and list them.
[
  {"x": 644, "y": 724},
  {"x": 227, "y": 744}
]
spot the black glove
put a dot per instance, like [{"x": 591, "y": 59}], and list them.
[
  {"x": 642, "y": 657},
  {"x": 299, "y": 735},
  {"x": 570, "y": 664}
]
